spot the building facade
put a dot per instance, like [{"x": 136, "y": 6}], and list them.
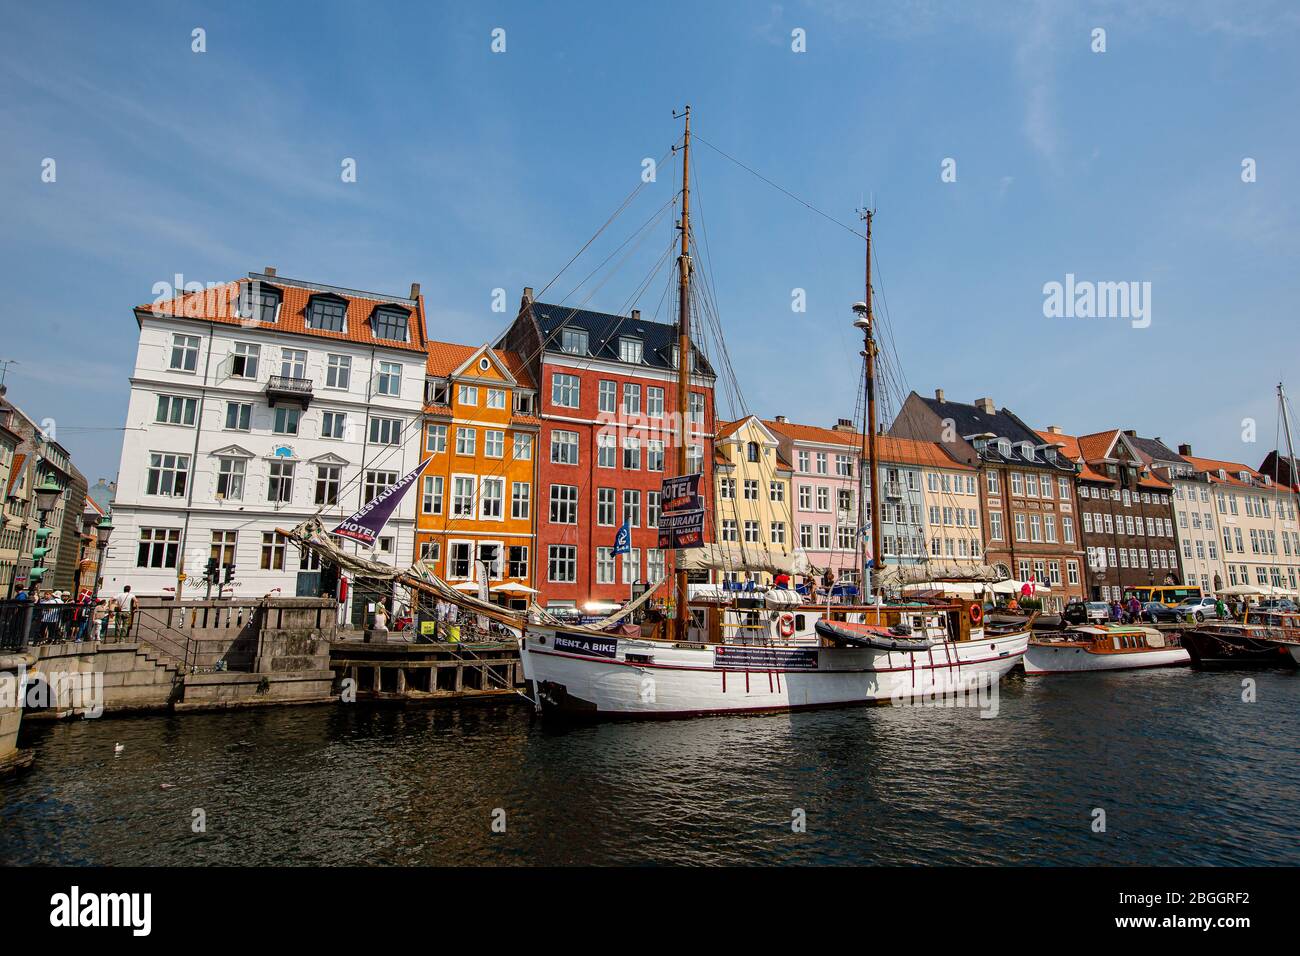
[
  {"x": 477, "y": 511},
  {"x": 1125, "y": 513},
  {"x": 752, "y": 494},
  {"x": 1257, "y": 523},
  {"x": 608, "y": 405},
  {"x": 36, "y": 457},
  {"x": 824, "y": 484},
  {"x": 1029, "y": 506},
  {"x": 255, "y": 405}
]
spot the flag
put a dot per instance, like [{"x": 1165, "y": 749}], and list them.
[
  {"x": 623, "y": 540},
  {"x": 365, "y": 525}
]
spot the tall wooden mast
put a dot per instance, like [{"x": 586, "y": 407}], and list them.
[
  {"x": 1293, "y": 479},
  {"x": 870, "y": 481},
  {"x": 684, "y": 354}
]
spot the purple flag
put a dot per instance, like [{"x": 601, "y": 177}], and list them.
[{"x": 365, "y": 525}]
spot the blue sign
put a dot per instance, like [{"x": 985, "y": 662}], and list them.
[{"x": 623, "y": 540}]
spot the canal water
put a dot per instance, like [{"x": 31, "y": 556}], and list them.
[{"x": 1184, "y": 771}]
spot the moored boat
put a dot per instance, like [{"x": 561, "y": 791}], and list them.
[
  {"x": 1240, "y": 645},
  {"x": 1103, "y": 647},
  {"x": 837, "y": 657}
]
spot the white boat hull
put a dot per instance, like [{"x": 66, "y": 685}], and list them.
[
  {"x": 1071, "y": 659},
  {"x": 590, "y": 676}
]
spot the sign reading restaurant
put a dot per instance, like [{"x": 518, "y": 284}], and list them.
[{"x": 681, "y": 522}]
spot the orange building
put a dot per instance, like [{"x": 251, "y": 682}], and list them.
[{"x": 477, "y": 507}]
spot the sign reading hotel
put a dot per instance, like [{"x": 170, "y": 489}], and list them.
[{"x": 680, "y": 493}]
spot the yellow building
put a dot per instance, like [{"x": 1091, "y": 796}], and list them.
[
  {"x": 751, "y": 512},
  {"x": 477, "y": 505}
]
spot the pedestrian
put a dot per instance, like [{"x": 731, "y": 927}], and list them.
[
  {"x": 125, "y": 611},
  {"x": 1134, "y": 610},
  {"x": 22, "y": 595},
  {"x": 1220, "y": 609},
  {"x": 85, "y": 614},
  {"x": 50, "y": 612},
  {"x": 782, "y": 580},
  {"x": 1116, "y": 612}
]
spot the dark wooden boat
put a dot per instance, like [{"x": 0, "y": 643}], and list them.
[
  {"x": 1238, "y": 645},
  {"x": 879, "y": 637}
]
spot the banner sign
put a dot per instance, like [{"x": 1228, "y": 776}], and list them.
[
  {"x": 365, "y": 525},
  {"x": 739, "y": 657},
  {"x": 589, "y": 644},
  {"x": 679, "y": 493},
  {"x": 681, "y": 529}
]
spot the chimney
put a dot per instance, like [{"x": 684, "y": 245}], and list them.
[
  {"x": 1131, "y": 433},
  {"x": 1184, "y": 449},
  {"x": 1054, "y": 429},
  {"x": 985, "y": 405},
  {"x": 636, "y": 315},
  {"x": 782, "y": 419},
  {"x": 528, "y": 293},
  {"x": 938, "y": 394},
  {"x": 843, "y": 425},
  {"x": 415, "y": 291},
  {"x": 269, "y": 270}
]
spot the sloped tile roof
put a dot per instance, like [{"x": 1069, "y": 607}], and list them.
[
  {"x": 221, "y": 304},
  {"x": 446, "y": 357},
  {"x": 901, "y": 451},
  {"x": 603, "y": 330}
]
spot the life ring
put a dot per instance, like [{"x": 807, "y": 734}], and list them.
[
  {"x": 785, "y": 623},
  {"x": 976, "y": 613}
]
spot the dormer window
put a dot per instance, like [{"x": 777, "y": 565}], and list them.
[
  {"x": 677, "y": 360},
  {"x": 391, "y": 324},
  {"x": 439, "y": 393},
  {"x": 981, "y": 444},
  {"x": 1004, "y": 447},
  {"x": 573, "y": 341},
  {"x": 327, "y": 313},
  {"x": 1223, "y": 474},
  {"x": 524, "y": 403},
  {"x": 1049, "y": 454},
  {"x": 1026, "y": 451},
  {"x": 1244, "y": 476},
  {"x": 629, "y": 350},
  {"x": 261, "y": 303}
]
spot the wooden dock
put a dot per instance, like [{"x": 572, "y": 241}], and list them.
[{"x": 428, "y": 673}]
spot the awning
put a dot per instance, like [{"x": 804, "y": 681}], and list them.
[
  {"x": 514, "y": 587},
  {"x": 1241, "y": 590}
]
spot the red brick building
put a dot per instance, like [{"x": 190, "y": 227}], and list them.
[{"x": 607, "y": 389}]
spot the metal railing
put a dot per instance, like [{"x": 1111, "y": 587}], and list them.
[
  {"x": 28, "y": 624},
  {"x": 286, "y": 383}
]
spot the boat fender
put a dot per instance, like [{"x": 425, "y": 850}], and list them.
[
  {"x": 976, "y": 613},
  {"x": 902, "y": 630},
  {"x": 785, "y": 624}
]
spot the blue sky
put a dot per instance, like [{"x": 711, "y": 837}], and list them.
[{"x": 478, "y": 171}]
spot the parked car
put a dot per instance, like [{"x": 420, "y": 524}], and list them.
[
  {"x": 1086, "y": 612},
  {"x": 1278, "y": 604},
  {"x": 1158, "y": 613},
  {"x": 1199, "y": 608}
]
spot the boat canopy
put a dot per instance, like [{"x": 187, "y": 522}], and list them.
[
  {"x": 933, "y": 572},
  {"x": 716, "y": 557}
]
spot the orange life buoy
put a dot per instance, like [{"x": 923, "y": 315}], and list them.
[
  {"x": 976, "y": 613},
  {"x": 786, "y": 624}
]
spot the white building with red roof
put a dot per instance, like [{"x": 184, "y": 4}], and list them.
[{"x": 255, "y": 405}]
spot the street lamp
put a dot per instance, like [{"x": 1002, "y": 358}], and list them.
[
  {"x": 45, "y": 495},
  {"x": 103, "y": 531}
]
